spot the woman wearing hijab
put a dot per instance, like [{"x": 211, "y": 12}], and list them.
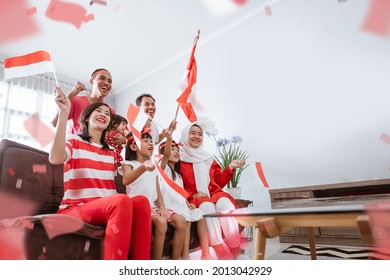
[{"x": 204, "y": 179}]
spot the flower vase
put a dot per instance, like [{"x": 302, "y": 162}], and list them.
[{"x": 234, "y": 192}]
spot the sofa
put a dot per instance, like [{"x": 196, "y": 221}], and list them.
[{"x": 31, "y": 189}]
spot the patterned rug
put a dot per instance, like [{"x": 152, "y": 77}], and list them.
[{"x": 341, "y": 253}]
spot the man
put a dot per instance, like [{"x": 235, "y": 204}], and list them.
[
  {"x": 101, "y": 82},
  {"x": 148, "y": 104}
]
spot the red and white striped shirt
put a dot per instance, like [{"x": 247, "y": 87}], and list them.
[{"x": 89, "y": 172}]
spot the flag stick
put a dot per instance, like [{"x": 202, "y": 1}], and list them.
[{"x": 56, "y": 80}]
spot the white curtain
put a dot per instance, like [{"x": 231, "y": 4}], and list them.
[{"x": 22, "y": 97}]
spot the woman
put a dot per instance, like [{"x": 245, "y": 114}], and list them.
[
  {"x": 89, "y": 187},
  {"x": 203, "y": 179}
]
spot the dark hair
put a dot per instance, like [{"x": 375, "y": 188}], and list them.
[
  {"x": 84, "y": 123},
  {"x": 116, "y": 121},
  {"x": 138, "y": 100},
  {"x": 97, "y": 70},
  {"x": 129, "y": 153},
  {"x": 176, "y": 167}
]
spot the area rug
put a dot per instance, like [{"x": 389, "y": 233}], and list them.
[{"x": 334, "y": 252}]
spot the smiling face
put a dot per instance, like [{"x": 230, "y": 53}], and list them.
[
  {"x": 100, "y": 118},
  {"x": 101, "y": 83},
  {"x": 195, "y": 136},
  {"x": 121, "y": 127},
  {"x": 147, "y": 146},
  {"x": 148, "y": 106},
  {"x": 175, "y": 155}
]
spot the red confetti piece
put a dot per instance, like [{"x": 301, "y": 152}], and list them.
[
  {"x": 115, "y": 229},
  {"x": 267, "y": 10},
  {"x": 89, "y": 17},
  {"x": 14, "y": 11},
  {"x": 39, "y": 168},
  {"x": 66, "y": 12},
  {"x": 377, "y": 20},
  {"x": 379, "y": 219},
  {"x": 39, "y": 130},
  {"x": 19, "y": 183},
  {"x": 240, "y": 2},
  {"x": 31, "y": 11},
  {"x": 11, "y": 172},
  {"x": 385, "y": 138}
]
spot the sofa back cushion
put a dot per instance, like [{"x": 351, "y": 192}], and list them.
[{"x": 27, "y": 173}]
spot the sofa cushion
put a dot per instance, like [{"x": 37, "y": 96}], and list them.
[{"x": 27, "y": 173}]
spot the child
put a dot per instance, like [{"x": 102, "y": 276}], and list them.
[
  {"x": 140, "y": 178},
  {"x": 117, "y": 126},
  {"x": 170, "y": 163}
]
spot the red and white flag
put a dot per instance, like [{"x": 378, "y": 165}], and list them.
[
  {"x": 168, "y": 182},
  {"x": 187, "y": 96},
  {"x": 137, "y": 119},
  {"x": 28, "y": 65}
]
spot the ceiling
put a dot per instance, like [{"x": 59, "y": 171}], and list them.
[{"x": 132, "y": 39}]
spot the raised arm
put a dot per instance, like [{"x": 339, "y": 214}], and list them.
[
  {"x": 77, "y": 88},
  {"x": 167, "y": 152},
  {"x": 57, "y": 153}
]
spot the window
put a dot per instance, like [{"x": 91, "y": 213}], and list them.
[{"x": 20, "y": 99}]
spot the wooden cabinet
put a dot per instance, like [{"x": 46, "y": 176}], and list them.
[{"x": 330, "y": 194}]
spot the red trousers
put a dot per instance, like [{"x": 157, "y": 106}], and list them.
[{"x": 128, "y": 225}]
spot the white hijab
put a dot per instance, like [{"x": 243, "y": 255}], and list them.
[{"x": 200, "y": 159}]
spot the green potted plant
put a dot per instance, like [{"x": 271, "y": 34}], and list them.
[{"x": 229, "y": 150}]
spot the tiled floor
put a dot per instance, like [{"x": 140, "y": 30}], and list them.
[{"x": 273, "y": 246}]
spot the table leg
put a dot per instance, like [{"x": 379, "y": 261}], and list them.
[
  {"x": 312, "y": 242},
  {"x": 260, "y": 243}
]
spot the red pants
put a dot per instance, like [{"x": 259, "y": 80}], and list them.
[{"x": 119, "y": 213}]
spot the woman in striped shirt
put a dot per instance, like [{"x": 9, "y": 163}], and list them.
[{"x": 89, "y": 186}]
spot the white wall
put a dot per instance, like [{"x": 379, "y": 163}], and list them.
[{"x": 307, "y": 90}]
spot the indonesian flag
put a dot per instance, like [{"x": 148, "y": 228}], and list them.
[
  {"x": 187, "y": 96},
  {"x": 28, "y": 65},
  {"x": 166, "y": 181},
  {"x": 137, "y": 120}
]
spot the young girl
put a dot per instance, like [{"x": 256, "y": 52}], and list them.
[
  {"x": 203, "y": 179},
  {"x": 117, "y": 126},
  {"x": 89, "y": 187},
  {"x": 140, "y": 178},
  {"x": 170, "y": 163}
]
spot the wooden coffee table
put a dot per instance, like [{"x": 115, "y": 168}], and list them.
[{"x": 270, "y": 223}]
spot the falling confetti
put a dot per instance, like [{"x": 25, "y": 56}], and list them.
[
  {"x": 39, "y": 130},
  {"x": 66, "y": 12},
  {"x": 15, "y": 11},
  {"x": 39, "y": 168},
  {"x": 267, "y": 9},
  {"x": 377, "y": 20}
]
